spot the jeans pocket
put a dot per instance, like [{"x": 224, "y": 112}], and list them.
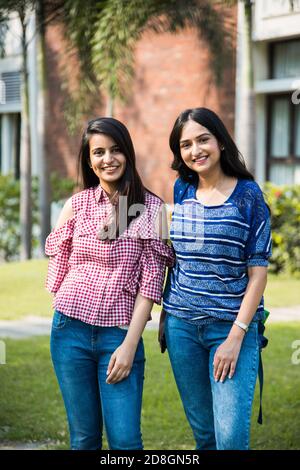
[{"x": 59, "y": 320}]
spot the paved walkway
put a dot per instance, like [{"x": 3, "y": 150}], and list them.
[{"x": 37, "y": 326}]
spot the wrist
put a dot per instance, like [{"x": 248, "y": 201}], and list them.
[
  {"x": 237, "y": 333},
  {"x": 131, "y": 343}
]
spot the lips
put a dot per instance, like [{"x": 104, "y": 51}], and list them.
[
  {"x": 110, "y": 168},
  {"x": 200, "y": 160}
]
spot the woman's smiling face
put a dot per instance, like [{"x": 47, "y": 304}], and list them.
[
  {"x": 199, "y": 148},
  {"x": 106, "y": 160}
]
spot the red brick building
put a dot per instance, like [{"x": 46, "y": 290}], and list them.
[{"x": 172, "y": 73}]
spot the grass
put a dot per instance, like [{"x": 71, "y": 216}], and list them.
[
  {"x": 31, "y": 407},
  {"x": 282, "y": 291},
  {"x": 22, "y": 290}
]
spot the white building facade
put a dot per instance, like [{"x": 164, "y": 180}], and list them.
[
  {"x": 275, "y": 43},
  {"x": 10, "y": 97}
]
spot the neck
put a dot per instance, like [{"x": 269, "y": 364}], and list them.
[
  {"x": 211, "y": 180},
  {"x": 110, "y": 189}
]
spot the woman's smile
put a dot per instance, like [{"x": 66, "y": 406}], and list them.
[{"x": 200, "y": 160}]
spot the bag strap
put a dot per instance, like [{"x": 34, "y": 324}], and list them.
[
  {"x": 261, "y": 385},
  {"x": 263, "y": 343}
]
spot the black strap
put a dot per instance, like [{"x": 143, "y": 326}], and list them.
[{"x": 261, "y": 384}]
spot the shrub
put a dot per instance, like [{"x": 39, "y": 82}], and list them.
[
  {"x": 284, "y": 202},
  {"x": 10, "y": 211}
]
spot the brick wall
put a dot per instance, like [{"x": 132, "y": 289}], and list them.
[{"x": 172, "y": 73}]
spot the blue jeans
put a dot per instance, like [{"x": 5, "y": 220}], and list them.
[
  {"x": 80, "y": 354},
  {"x": 218, "y": 413}
]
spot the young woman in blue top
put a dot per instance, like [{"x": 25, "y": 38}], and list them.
[{"x": 213, "y": 298}]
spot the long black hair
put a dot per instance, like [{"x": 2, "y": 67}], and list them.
[
  {"x": 130, "y": 183},
  {"x": 231, "y": 160}
]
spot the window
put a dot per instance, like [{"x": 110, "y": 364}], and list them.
[
  {"x": 283, "y": 162},
  {"x": 10, "y": 139},
  {"x": 10, "y": 87},
  {"x": 285, "y": 59}
]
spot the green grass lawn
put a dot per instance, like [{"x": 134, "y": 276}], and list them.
[
  {"x": 22, "y": 290},
  {"x": 31, "y": 407}
]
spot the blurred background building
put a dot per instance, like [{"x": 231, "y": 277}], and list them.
[{"x": 172, "y": 73}]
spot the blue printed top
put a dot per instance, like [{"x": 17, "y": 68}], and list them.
[{"x": 214, "y": 246}]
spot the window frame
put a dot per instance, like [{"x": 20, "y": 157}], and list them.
[{"x": 292, "y": 159}]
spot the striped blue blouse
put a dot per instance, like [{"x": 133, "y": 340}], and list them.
[{"x": 214, "y": 246}]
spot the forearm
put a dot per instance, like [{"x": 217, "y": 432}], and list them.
[
  {"x": 141, "y": 314},
  {"x": 254, "y": 292}
]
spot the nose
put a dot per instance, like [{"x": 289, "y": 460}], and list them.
[
  {"x": 107, "y": 157},
  {"x": 196, "y": 149}
]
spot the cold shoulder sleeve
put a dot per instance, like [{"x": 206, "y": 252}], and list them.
[{"x": 58, "y": 247}]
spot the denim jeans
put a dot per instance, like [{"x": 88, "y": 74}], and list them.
[
  {"x": 218, "y": 413},
  {"x": 80, "y": 354}
]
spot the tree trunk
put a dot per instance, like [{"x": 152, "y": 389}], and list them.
[
  {"x": 44, "y": 176},
  {"x": 25, "y": 159},
  {"x": 245, "y": 131},
  {"x": 110, "y": 106}
]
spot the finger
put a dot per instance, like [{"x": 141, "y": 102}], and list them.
[
  {"x": 219, "y": 371},
  {"x": 224, "y": 373},
  {"x": 111, "y": 364},
  {"x": 118, "y": 376},
  {"x": 111, "y": 377},
  {"x": 216, "y": 364},
  {"x": 122, "y": 376},
  {"x": 232, "y": 370}
]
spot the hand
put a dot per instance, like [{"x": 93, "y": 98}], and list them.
[
  {"x": 226, "y": 357},
  {"x": 120, "y": 364}
]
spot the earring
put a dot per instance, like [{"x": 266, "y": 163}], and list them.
[{"x": 222, "y": 148}]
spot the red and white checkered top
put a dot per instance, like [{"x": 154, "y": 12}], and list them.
[{"x": 97, "y": 281}]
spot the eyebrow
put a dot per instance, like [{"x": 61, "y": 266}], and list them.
[
  {"x": 201, "y": 135},
  {"x": 102, "y": 148}
]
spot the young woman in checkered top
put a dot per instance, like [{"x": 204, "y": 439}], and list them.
[{"x": 106, "y": 268}]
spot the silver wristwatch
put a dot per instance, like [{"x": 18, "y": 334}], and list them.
[{"x": 242, "y": 325}]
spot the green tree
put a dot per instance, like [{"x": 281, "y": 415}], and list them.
[
  {"x": 45, "y": 12},
  {"x": 105, "y": 33}
]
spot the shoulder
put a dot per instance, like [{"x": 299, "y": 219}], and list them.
[
  {"x": 250, "y": 188},
  {"x": 180, "y": 189},
  {"x": 154, "y": 205},
  {"x": 152, "y": 201},
  {"x": 79, "y": 199},
  {"x": 180, "y": 184},
  {"x": 250, "y": 199},
  {"x": 66, "y": 214}
]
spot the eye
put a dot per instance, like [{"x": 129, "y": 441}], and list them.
[
  {"x": 116, "y": 150},
  {"x": 98, "y": 152},
  {"x": 185, "y": 145},
  {"x": 205, "y": 139}
]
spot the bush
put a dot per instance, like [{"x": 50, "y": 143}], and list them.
[
  {"x": 61, "y": 188},
  {"x": 284, "y": 202},
  {"x": 10, "y": 211}
]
